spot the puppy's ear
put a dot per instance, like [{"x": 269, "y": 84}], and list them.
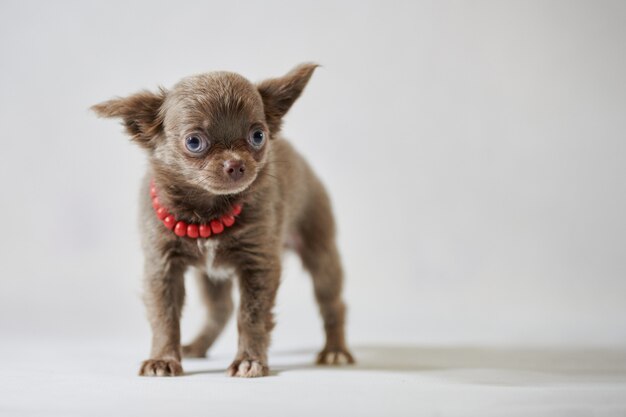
[
  {"x": 140, "y": 113},
  {"x": 279, "y": 94}
]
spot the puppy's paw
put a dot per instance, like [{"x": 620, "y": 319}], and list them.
[
  {"x": 161, "y": 367},
  {"x": 247, "y": 368},
  {"x": 334, "y": 356},
  {"x": 194, "y": 351}
]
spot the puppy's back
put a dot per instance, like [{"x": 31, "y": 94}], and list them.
[{"x": 304, "y": 198}]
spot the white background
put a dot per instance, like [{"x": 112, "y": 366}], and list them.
[{"x": 474, "y": 151}]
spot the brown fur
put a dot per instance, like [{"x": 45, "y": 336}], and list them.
[{"x": 283, "y": 202}]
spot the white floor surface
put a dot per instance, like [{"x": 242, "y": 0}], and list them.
[{"x": 64, "y": 378}]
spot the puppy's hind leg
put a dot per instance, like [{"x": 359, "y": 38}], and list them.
[
  {"x": 217, "y": 297},
  {"x": 320, "y": 257}
]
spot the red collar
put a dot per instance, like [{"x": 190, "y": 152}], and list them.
[{"x": 192, "y": 230}]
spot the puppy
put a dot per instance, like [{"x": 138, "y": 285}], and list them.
[{"x": 225, "y": 194}]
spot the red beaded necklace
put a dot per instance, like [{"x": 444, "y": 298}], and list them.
[{"x": 214, "y": 227}]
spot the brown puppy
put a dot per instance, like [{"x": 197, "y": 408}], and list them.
[{"x": 218, "y": 166}]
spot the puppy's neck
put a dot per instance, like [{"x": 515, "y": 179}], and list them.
[{"x": 191, "y": 203}]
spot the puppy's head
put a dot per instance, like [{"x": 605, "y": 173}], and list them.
[{"x": 211, "y": 130}]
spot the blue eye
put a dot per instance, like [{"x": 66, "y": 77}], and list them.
[
  {"x": 257, "y": 138},
  {"x": 195, "y": 143}
]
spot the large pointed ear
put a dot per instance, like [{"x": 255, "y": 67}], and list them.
[
  {"x": 140, "y": 113},
  {"x": 279, "y": 94}
]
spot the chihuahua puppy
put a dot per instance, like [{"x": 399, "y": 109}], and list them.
[{"x": 224, "y": 195}]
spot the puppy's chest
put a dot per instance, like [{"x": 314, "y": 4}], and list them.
[{"x": 214, "y": 267}]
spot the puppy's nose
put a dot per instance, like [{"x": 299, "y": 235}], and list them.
[{"x": 234, "y": 169}]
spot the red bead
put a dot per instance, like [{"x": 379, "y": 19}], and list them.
[
  {"x": 228, "y": 220},
  {"x": 155, "y": 203},
  {"x": 236, "y": 209},
  {"x": 169, "y": 222},
  {"x": 217, "y": 226},
  {"x": 162, "y": 213},
  {"x": 192, "y": 231},
  {"x": 205, "y": 230},
  {"x": 152, "y": 192},
  {"x": 180, "y": 229}
]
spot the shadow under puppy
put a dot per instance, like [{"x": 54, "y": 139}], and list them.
[{"x": 225, "y": 194}]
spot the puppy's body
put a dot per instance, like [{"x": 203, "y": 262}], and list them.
[{"x": 284, "y": 205}]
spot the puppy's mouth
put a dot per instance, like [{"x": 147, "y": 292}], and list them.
[
  {"x": 224, "y": 189},
  {"x": 229, "y": 173},
  {"x": 227, "y": 185}
]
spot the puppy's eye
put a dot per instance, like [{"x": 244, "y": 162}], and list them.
[
  {"x": 257, "y": 138},
  {"x": 196, "y": 143}
]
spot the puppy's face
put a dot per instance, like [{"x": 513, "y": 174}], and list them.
[
  {"x": 214, "y": 132},
  {"x": 211, "y": 130}
]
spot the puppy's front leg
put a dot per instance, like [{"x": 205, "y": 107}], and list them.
[
  {"x": 258, "y": 287},
  {"x": 164, "y": 296}
]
